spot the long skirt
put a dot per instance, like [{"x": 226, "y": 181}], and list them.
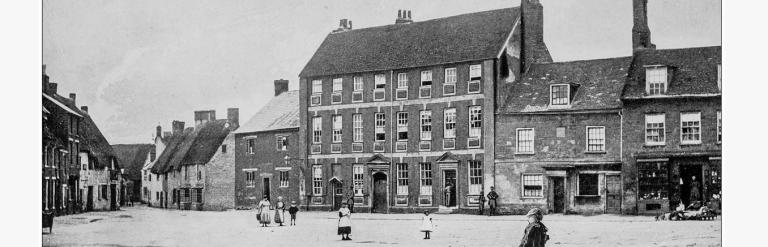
[
  {"x": 344, "y": 230},
  {"x": 279, "y": 216},
  {"x": 264, "y": 217}
]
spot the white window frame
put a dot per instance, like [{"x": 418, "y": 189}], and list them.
[
  {"x": 250, "y": 179},
  {"x": 338, "y": 88},
  {"x": 552, "y": 94},
  {"x": 449, "y": 123},
  {"x": 317, "y": 92},
  {"x": 475, "y": 76},
  {"x": 450, "y": 80},
  {"x": 317, "y": 130},
  {"x": 402, "y": 179},
  {"x": 656, "y": 75},
  {"x": 474, "y": 177},
  {"x": 380, "y": 124},
  {"x": 380, "y": 85},
  {"x": 358, "y": 171},
  {"x": 402, "y": 86},
  {"x": 357, "y": 127},
  {"x": 475, "y": 121},
  {"x": 337, "y": 124},
  {"x": 425, "y": 179},
  {"x": 284, "y": 180},
  {"x": 540, "y": 191},
  {"x": 317, "y": 180},
  {"x": 425, "y": 125},
  {"x": 357, "y": 88},
  {"x": 281, "y": 140},
  {"x": 604, "y": 144},
  {"x": 657, "y": 119},
  {"x": 689, "y": 117},
  {"x": 518, "y": 141},
  {"x": 402, "y": 125},
  {"x": 426, "y": 76}
]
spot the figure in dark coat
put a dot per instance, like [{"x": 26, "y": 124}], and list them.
[
  {"x": 535, "y": 232},
  {"x": 492, "y": 197}
]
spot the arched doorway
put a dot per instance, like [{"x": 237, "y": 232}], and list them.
[
  {"x": 338, "y": 193},
  {"x": 379, "y": 204}
]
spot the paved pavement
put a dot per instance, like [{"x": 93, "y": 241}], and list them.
[{"x": 143, "y": 226}]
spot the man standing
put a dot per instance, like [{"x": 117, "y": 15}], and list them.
[
  {"x": 492, "y": 197},
  {"x": 351, "y": 199},
  {"x": 482, "y": 201}
]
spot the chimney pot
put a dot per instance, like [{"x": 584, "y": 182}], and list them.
[
  {"x": 158, "y": 131},
  {"x": 73, "y": 97},
  {"x": 281, "y": 86},
  {"x": 641, "y": 34},
  {"x": 403, "y": 17},
  {"x": 177, "y": 127},
  {"x": 84, "y": 108}
]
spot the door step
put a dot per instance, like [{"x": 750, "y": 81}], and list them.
[{"x": 446, "y": 210}]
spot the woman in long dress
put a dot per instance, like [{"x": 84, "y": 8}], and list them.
[
  {"x": 264, "y": 217},
  {"x": 280, "y": 211},
  {"x": 345, "y": 223}
]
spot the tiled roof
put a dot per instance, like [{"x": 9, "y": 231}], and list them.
[
  {"x": 595, "y": 85},
  {"x": 694, "y": 71},
  {"x": 132, "y": 157},
  {"x": 193, "y": 146},
  {"x": 282, "y": 112},
  {"x": 467, "y": 37}
]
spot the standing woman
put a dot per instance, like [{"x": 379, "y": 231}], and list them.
[
  {"x": 535, "y": 232},
  {"x": 264, "y": 217},
  {"x": 345, "y": 223},
  {"x": 280, "y": 211}
]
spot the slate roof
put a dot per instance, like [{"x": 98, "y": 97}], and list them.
[
  {"x": 467, "y": 37},
  {"x": 596, "y": 85},
  {"x": 282, "y": 112},
  {"x": 132, "y": 157},
  {"x": 193, "y": 146},
  {"x": 694, "y": 71}
]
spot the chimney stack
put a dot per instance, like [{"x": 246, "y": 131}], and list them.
[
  {"x": 233, "y": 117},
  {"x": 641, "y": 34},
  {"x": 84, "y": 108},
  {"x": 177, "y": 127},
  {"x": 52, "y": 88},
  {"x": 403, "y": 17},
  {"x": 158, "y": 131},
  {"x": 73, "y": 97},
  {"x": 281, "y": 86},
  {"x": 344, "y": 25},
  {"x": 46, "y": 80},
  {"x": 202, "y": 117},
  {"x": 533, "y": 49}
]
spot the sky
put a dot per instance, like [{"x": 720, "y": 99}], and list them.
[{"x": 140, "y": 63}]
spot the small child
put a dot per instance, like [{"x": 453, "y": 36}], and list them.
[
  {"x": 426, "y": 224},
  {"x": 292, "y": 210}
]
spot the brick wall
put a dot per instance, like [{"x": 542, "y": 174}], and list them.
[{"x": 268, "y": 161}]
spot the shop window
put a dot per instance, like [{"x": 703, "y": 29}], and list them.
[
  {"x": 652, "y": 181},
  {"x": 588, "y": 185}
]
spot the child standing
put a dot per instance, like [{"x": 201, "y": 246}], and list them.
[
  {"x": 292, "y": 210},
  {"x": 426, "y": 224}
]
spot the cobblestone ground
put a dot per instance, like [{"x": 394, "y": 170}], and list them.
[{"x": 143, "y": 226}]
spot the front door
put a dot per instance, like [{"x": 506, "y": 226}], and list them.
[
  {"x": 691, "y": 188},
  {"x": 449, "y": 187},
  {"x": 613, "y": 194},
  {"x": 558, "y": 193},
  {"x": 89, "y": 201},
  {"x": 265, "y": 188},
  {"x": 338, "y": 194},
  {"x": 112, "y": 197},
  {"x": 379, "y": 193}
]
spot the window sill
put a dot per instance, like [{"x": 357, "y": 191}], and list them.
[
  {"x": 532, "y": 197},
  {"x": 587, "y": 196},
  {"x": 691, "y": 144},
  {"x": 525, "y": 153},
  {"x": 654, "y": 144},
  {"x": 595, "y": 152}
]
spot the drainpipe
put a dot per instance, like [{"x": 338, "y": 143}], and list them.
[{"x": 392, "y": 137}]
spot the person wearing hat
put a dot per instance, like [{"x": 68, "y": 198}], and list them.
[
  {"x": 536, "y": 232},
  {"x": 345, "y": 223},
  {"x": 293, "y": 210},
  {"x": 264, "y": 217},
  {"x": 492, "y": 197}
]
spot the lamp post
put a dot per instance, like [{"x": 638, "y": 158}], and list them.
[{"x": 301, "y": 163}]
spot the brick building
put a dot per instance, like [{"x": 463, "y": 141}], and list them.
[
  {"x": 402, "y": 116},
  {"x": 672, "y": 122},
  {"x": 558, "y": 138},
  {"x": 182, "y": 169},
  {"x": 266, "y": 149}
]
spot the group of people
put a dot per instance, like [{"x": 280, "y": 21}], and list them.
[
  {"x": 492, "y": 198},
  {"x": 265, "y": 217}
]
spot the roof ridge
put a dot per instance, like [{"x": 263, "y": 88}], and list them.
[
  {"x": 424, "y": 21},
  {"x": 584, "y": 60}
]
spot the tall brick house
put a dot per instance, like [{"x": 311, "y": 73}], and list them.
[
  {"x": 192, "y": 169},
  {"x": 672, "y": 124},
  {"x": 402, "y": 116},
  {"x": 266, "y": 149},
  {"x": 558, "y": 138}
]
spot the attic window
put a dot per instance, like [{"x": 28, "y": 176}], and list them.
[
  {"x": 560, "y": 94},
  {"x": 656, "y": 80}
]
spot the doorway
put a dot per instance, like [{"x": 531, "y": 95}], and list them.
[
  {"x": 265, "y": 188},
  {"x": 113, "y": 197},
  {"x": 449, "y": 185},
  {"x": 613, "y": 194},
  {"x": 558, "y": 193},
  {"x": 691, "y": 187},
  {"x": 89, "y": 201},
  {"x": 379, "y": 193},
  {"x": 338, "y": 193}
]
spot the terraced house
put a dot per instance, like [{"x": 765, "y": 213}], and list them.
[{"x": 401, "y": 116}]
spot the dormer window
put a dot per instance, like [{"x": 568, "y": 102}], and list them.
[
  {"x": 560, "y": 94},
  {"x": 656, "y": 80}
]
